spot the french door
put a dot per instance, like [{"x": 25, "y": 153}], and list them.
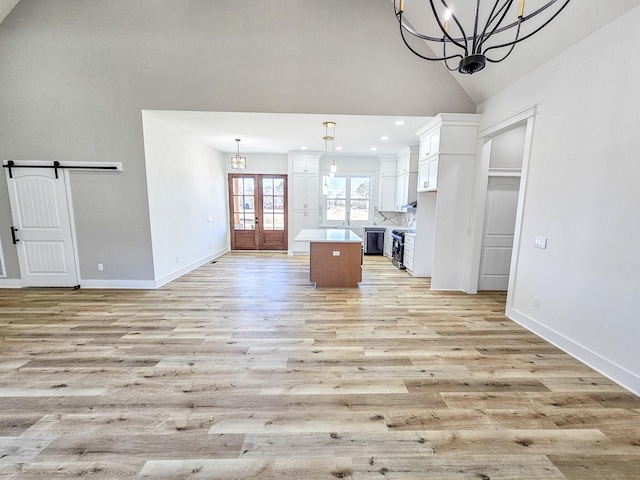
[{"x": 258, "y": 212}]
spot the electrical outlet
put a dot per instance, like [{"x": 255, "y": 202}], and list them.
[{"x": 100, "y": 267}]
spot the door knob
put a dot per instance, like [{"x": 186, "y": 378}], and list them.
[{"x": 13, "y": 235}]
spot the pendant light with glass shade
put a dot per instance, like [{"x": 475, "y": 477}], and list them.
[{"x": 333, "y": 168}]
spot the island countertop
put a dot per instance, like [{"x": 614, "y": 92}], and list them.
[{"x": 327, "y": 235}]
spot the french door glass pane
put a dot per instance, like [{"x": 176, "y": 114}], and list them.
[
  {"x": 248, "y": 186},
  {"x": 243, "y": 204},
  {"x": 278, "y": 221},
  {"x": 278, "y": 186},
  {"x": 267, "y": 186},
  {"x": 273, "y": 203}
]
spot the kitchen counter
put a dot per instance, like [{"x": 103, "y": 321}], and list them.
[
  {"x": 335, "y": 256},
  {"x": 327, "y": 235}
]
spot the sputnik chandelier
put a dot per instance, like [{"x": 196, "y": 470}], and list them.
[{"x": 488, "y": 36}]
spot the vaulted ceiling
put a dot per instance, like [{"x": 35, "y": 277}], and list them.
[{"x": 578, "y": 20}]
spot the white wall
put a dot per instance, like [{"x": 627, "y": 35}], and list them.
[
  {"x": 507, "y": 149},
  {"x": 582, "y": 194},
  {"x": 260, "y": 163},
  {"x": 188, "y": 206}
]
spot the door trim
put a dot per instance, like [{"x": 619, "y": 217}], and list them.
[
  {"x": 259, "y": 232},
  {"x": 527, "y": 118}
]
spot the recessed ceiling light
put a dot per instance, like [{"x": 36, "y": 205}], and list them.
[
  {"x": 303, "y": 148},
  {"x": 373, "y": 149},
  {"x": 384, "y": 138},
  {"x": 338, "y": 148},
  {"x": 399, "y": 122}
]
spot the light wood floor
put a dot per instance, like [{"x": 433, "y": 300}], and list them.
[{"x": 242, "y": 369}]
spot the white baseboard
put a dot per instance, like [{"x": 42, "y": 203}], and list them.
[
  {"x": 119, "y": 284},
  {"x": 188, "y": 268},
  {"x": 609, "y": 369},
  {"x": 10, "y": 283},
  {"x": 150, "y": 284}
]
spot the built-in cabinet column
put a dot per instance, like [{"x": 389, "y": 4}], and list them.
[
  {"x": 406, "y": 177},
  {"x": 387, "y": 184},
  {"x": 445, "y": 184},
  {"x": 304, "y": 173}
]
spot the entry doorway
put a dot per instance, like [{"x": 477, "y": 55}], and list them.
[
  {"x": 258, "y": 212},
  {"x": 501, "y": 190}
]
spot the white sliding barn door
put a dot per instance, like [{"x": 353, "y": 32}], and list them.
[
  {"x": 499, "y": 229},
  {"x": 40, "y": 211}
]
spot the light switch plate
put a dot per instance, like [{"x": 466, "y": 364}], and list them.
[
  {"x": 336, "y": 253},
  {"x": 540, "y": 242}
]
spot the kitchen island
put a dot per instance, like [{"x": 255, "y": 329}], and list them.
[{"x": 335, "y": 256}]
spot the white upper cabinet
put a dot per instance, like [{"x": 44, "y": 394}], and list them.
[
  {"x": 387, "y": 185},
  {"x": 407, "y": 177},
  {"x": 305, "y": 164},
  {"x": 445, "y": 135}
]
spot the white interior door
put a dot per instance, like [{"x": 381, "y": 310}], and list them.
[
  {"x": 40, "y": 211},
  {"x": 499, "y": 228}
]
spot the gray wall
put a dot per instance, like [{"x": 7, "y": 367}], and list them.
[{"x": 76, "y": 75}]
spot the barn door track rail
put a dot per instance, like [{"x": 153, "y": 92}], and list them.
[{"x": 56, "y": 165}]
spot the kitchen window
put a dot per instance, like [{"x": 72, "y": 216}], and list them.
[{"x": 348, "y": 199}]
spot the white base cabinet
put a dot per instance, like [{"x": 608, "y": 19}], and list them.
[
  {"x": 303, "y": 219},
  {"x": 409, "y": 250},
  {"x": 388, "y": 243}
]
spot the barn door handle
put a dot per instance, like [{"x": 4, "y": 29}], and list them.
[{"x": 13, "y": 235}]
